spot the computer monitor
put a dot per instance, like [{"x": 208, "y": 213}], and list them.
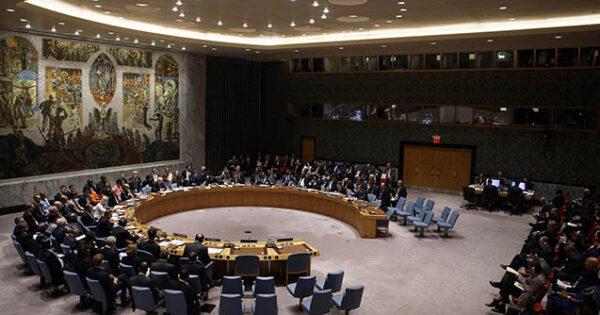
[
  {"x": 522, "y": 185},
  {"x": 496, "y": 182},
  {"x": 513, "y": 184}
]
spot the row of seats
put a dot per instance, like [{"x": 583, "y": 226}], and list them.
[{"x": 421, "y": 215}]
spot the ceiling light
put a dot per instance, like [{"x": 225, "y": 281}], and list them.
[
  {"x": 490, "y": 40},
  {"x": 153, "y": 43},
  {"x": 292, "y": 24},
  {"x": 141, "y": 4},
  {"x": 118, "y": 38},
  {"x": 303, "y": 34},
  {"x": 296, "y": 50},
  {"x": 136, "y": 41},
  {"x": 512, "y": 19},
  {"x": 169, "y": 46},
  {"x": 179, "y": 2},
  {"x": 183, "y": 48},
  {"x": 214, "y": 48},
  {"x": 98, "y": 35},
  {"x": 503, "y": 7},
  {"x": 204, "y": 46},
  {"x": 401, "y": 2},
  {"x": 181, "y": 14},
  {"x": 106, "y": 12},
  {"x": 558, "y": 37},
  {"x": 361, "y": 29},
  {"x": 179, "y": 20},
  {"x": 220, "y": 23},
  {"x": 311, "y": 21},
  {"x": 258, "y": 52},
  {"x": 247, "y": 49},
  {"x": 245, "y": 25},
  {"x": 198, "y": 20},
  {"x": 323, "y": 16},
  {"x": 61, "y": 23},
  {"x": 383, "y": 46},
  {"x": 23, "y": 20},
  {"x": 503, "y": 109},
  {"x": 126, "y": 38},
  {"x": 269, "y": 25},
  {"x": 353, "y": 16},
  {"x": 376, "y": 25},
  {"x": 175, "y": 9},
  {"x": 340, "y": 48},
  {"x": 76, "y": 33},
  {"x": 27, "y": 25},
  {"x": 433, "y": 43},
  {"x": 10, "y": 10},
  {"x": 111, "y": 33},
  {"x": 261, "y": 35},
  {"x": 535, "y": 109},
  {"x": 315, "y": 4},
  {"x": 403, "y": 10},
  {"x": 326, "y": 10},
  {"x": 398, "y": 16},
  {"x": 389, "y": 21},
  {"x": 97, "y": 6},
  {"x": 53, "y": 30}
]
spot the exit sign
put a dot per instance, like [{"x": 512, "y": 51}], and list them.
[{"x": 437, "y": 139}]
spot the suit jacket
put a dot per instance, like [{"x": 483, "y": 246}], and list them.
[
  {"x": 385, "y": 197},
  {"x": 84, "y": 201},
  {"x": 141, "y": 280},
  {"x": 88, "y": 219},
  {"x": 401, "y": 192},
  {"x": 122, "y": 236},
  {"x": 150, "y": 246},
  {"x": 195, "y": 268},
  {"x": 31, "y": 221},
  {"x": 26, "y": 242},
  {"x": 200, "y": 250},
  {"x": 105, "y": 280},
  {"x": 155, "y": 187},
  {"x": 134, "y": 262},
  {"x": 54, "y": 265},
  {"x": 104, "y": 227},
  {"x": 126, "y": 195},
  {"x": 59, "y": 234},
  {"x": 163, "y": 266},
  {"x": 112, "y": 256},
  {"x": 38, "y": 212},
  {"x": 188, "y": 292},
  {"x": 135, "y": 184},
  {"x": 71, "y": 241}
]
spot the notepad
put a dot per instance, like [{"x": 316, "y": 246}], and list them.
[{"x": 214, "y": 250}]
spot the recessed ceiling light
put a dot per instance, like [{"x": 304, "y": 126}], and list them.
[
  {"x": 53, "y": 30},
  {"x": 27, "y": 25},
  {"x": 433, "y": 43},
  {"x": 403, "y": 10},
  {"x": 383, "y": 46},
  {"x": 220, "y": 23},
  {"x": 512, "y": 19},
  {"x": 97, "y": 6},
  {"x": 247, "y": 49},
  {"x": 261, "y": 35},
  {"x": 401, "y": 2},
  {"x": 179, "y": 2},
  {"x": 181, "y": 14},
  {"x": 361, "y": 29},
  {"x": 558, "y": 37},
  {"x": 214, "y": 48},
  {"x": 136, "y": 41},
  {"x": 106, "y": 12},
  {"x": 153, "y": 43},
  {"x": 292, "y": 24},
  {"x": 340, "y": 48},
  {"x": 10, "y": 10},
  {"x": 389, "y": 21},
  {"x": 326, "y": 10},
  {"x": 204, "y": 46},
  {"x": 296, "y": 50},
  {"x": 61, "y": 23},
  {"x": 245, "y": 25},
  {"x": 179, "y": 20},
  {"x": 315, "y": 4},
  {"x": 23, "y": 20},
  {"x": 126, "y": 38},
  {"x": 311, "y": 21},
  {"x": 198, "y": 19},
  {"x": 98, "y": 35},
  {"x": 141, "y": 4},
  {"x": 258, "y": 52},
  {"x": 111, "y": 33},
  {"x": 269, "y": 25},
  {"x": 118, "y": 38},
  {"x": 376, "y": 25},
  {"x": 398, "y": 16},
  {"x": 503, "y": 7},
  {"x": 175, "y": 9},
  {"x": 76, "y": 33},
  {"x": 490, "y": 40},
  {"x": 353, "y": 16},
  {"x": 323, "y": 16},
  {"x": 169, "y": 46},
  {"x": 183, "y": 48}
]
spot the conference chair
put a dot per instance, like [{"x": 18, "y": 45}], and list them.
[
  {"x": 265, "y": 304},
  {"x": 349, "y": 192},
  {"x": 422, "y": 225},
  {"x": 160, "y": 279},
  {"x": 175, "y": 302},
  {"x": 46, "y": 275},
  {"x": 196, "y": 284},
  {"x": 371, "y": 198},
  {"x": 66, "y": 250},
  {"x": 470, "y": 196},
  {"x": 408, "y": 212},
  {"x": 85, "y": 227},
  {"x": 208, "y": 271},
  {"x": 33, "y": 265},
  {"x": 264, "y": 285},
  {"x": 231, "y": 304},
  {"x": 142, "y": 298},
  {"x": 394, "y": 210},
  {"x": 146, "y": 190},
  {"x": 443, "y": 217},
  {"x": 350, "y": 300},
  {"x": 297, "y": 263},
  {"x": 419, "y": 217},
  {"x": 232, "y": 285},
  {"x": 174, "y": 185},
  {"x": 514, "y": 200},
  {"x": 303, "y": 288},
  {"x": 183, "y": 260},
  {"x": 127, "y": 270},
  {"x": 450, "y": 224},
  {"x": 106, "y": 266},
  {"x": 490, "y": 197},
  {"x": 98, "y": 293},
  {"x": 146, "y": 256},
  {"x": 247, "y": 265},
  {"x": 76, "y": 286},
  {"x": 429, "y": 205},
  {"x": 319, "y": 303},
  {"x": 100, "y": 241},
  {"x": 55, "y": 245},
  {"x": 419, "y": 203},
  {"x": 20, "y": 251},
  {"x": 333, "y": 281},
  {"x": 13, "y": 237}
]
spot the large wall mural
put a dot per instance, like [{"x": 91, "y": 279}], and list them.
[
  {"x": 69, "y": 127},
  {"x": 55, "y": 49},
  {"x": 131, "y": 57}
]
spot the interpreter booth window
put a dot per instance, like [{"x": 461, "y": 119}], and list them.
[
  {"x": 567, "y": 57},
  {"x": 504, "y": 59},
  {"x": 358, "y": 63},
  {"x": 464, "y": 115},
  {"x": 447, "y": 114},
  {"x": 413, "y": 113},
  {"x": 318, "y": 65},
  {"x": 398, "y": 112},
  {"x": 533, "y": 117},
  {"x": 345, "y": 64},
  {"x": 432, "y": 61},
  {"x": 400, "y": 62},
  {"x": 525, "y": 58},
  {"x": 485, "y": 60},
  {"x": 491, "y": 116},
  {"x": 385, "y": 62},
  {"x": 331, "y": 64},
  {"x": 590, "y": 57},
  {"x": 302, "y": 110},
  {"x": 545, "y": 58},
  {"x": 576, "y": 118},
  {"x": 295, "y": 66},
  {"x": 371, "y": 63},
  {"x": 416, "y": 62},
  {"x": 429, "y": 115},
  {"x": 379, "y": 112},
  {"x": 353, "y": 112},
  {"x": 316, "y": 110},
  {"x": 330, "y": 111},
  {"x": 466, "y": 60},
  {"x": 306, "y": 65},
  {"x": 449, "y": 61}
]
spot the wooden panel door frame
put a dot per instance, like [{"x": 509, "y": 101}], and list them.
[
  {"x": 302, "y": 147},
  {"x": 443, "y": 146}
]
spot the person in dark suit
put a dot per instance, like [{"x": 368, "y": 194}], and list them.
[
  {"x": 111, "y": 255},
  {"x": 71, "y": 238},
  {"x": 183, "y": 285},
  {"x": 71, "y": 193},
  {"x": 150, "y": 245},
  {"x": 196, "y": 268},
  {"x": 32, "y": 222},
  {"x": 188, "y": 176},
  {"x": 85, "y": 199},
  {"x": 141, "y": 280},
  {"x": 135, "y": 182},
  {"x": 360, "y": 193},
  {"x": 24, "y": 238},
  {"x": 126, "y": 194},
  {"x": 38, "y": 211},
  {"x": 87, "y": 216},
  {"x": 199, "y": 249},
  {"x": 400, "y": 190},
  {"x": 385, "y": 196},
  {"x": 104, "y": 226},
  {"x": 55, "y": 265},
  {"x": 110, "y": 283},
  {"x": 132, "y": 259},
  {"x": 60, "y": 232},
  {"x": 122, "y": 235},
  {"x": 62, "y": 191},
  {"x": 163, "y": 265}
]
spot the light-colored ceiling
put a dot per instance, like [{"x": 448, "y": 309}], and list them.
[{"x": 450, "y": 24}]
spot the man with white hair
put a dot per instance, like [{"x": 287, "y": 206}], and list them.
[
  {"x": 60, "y": 232},
  {"x": 100, "y": 208},
  {"x": 111, "y": 255}
]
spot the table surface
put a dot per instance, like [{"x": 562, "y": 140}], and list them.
[{"x": 528, "y": 194}]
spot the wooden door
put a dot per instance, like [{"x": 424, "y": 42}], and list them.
[
  {"x": 461, "y": 169},
  {"x": 412, "y": 166},
  {"x": 428, "y": 164},
  {"x": 308, "y": 149},
  {"x": 443, "y": 168}
]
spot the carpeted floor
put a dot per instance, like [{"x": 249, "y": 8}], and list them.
[{"x": 402, "y": 274}]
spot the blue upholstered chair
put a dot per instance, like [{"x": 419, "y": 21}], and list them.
[
  {"x": 160, "y": 279},
  {"x": 85, "y": 227},
  {"x": 66, "y": 250},
  {"x": 408, "y": 212},
  {"x": 350, "y": 300},
  {"x": 146, "y": 256},
  {"x": 450, "y": 224},
  {"x": 422, "y": 225},
  {"x": 231, "y": 304},
  {"x": 20, "y": 251},
  {"x": 98, "y": 293},
  {"x": 127, "y": 270},
  {"x": 333, "y": 281},
  {"x": 46, "y": 275},
  {"x": 319, "y": 303},
  {"x": 419, "y": 217},
  {"x": 175, "y": 302},
  {"x": 142, "y": 298},
  {"x": 303, "y": 288},
  {"x": 75, "y": 285},
  {"x": 265, "y": 304},
  {"x": 32, "y": 263},
  {"x": 429, "y": 205},
  {"x": 419, "y": 203},
  {"x": 297, "y": 263},
  {"x": 232, "y": 285},
  {"x": 371, "y": 198},
  {"x": 443, "y": 217},
  {"x": 263, "y": 285},
  {"x": 146, "y": 190},
  {"x": 247, "y": 265}
]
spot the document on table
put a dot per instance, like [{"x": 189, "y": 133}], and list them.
[{"x": 214, "y": 250}]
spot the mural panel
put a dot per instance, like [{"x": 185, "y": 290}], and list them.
[
  {"x": 103, "y": 80},
  {"x": 136, "y": 100},
  {"x": 132, "y": 57},
  {"x": 166, "y": 104},
  {"x": 61, "y": 112},
  {"x": 55, "y": 49}
]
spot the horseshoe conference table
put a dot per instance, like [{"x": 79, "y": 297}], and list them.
[{"x": 363, "y": 216}]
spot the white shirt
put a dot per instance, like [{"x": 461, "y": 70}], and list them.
[{"x": 99, "y": 210}]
